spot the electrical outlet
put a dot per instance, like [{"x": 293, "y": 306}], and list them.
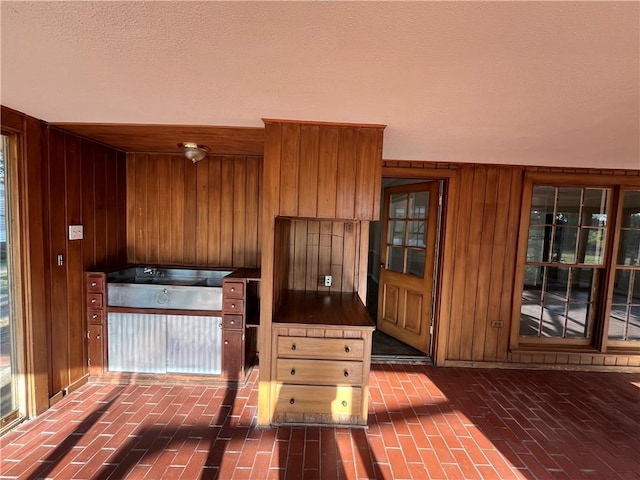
[
  {"x": 327, "y": 280},
  {"x": 76, "y": 232}
]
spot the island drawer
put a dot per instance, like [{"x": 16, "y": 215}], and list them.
[
  {"x": 329, "y": 348},
  {"x": 305, "y": 399},
  {"x": 323, "y": 372}
]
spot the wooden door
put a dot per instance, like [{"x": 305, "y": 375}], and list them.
[{"x": 408, "y": 262}]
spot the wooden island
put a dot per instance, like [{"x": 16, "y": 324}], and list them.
[{"x": 321, "y": 356}]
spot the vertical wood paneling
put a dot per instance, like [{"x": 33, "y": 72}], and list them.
[
  {"x": 485, "y": 266},
  {"x": 58, "y": 274},
  {"x": 227, "y": 236},
  {"x": 204, "y": 214},
  {"x": 313, "y": 252},
  {"x": 213, "y": 237},
  {"x": 132, "y": 164},
  {"x": 460, "y": 261},
  {"x": 327, "y": 171},
  {"x": 498, "y": 254},
  {"x": 88, "y": 202},
  {"x": 484, "y": 262},
  {"x": 239, "y": 222},
  {"x": 506, "y": 298},
  {"x": 347, "y": 169},
  {"x": 74, "y": 261},
  {"x": 308, "y": 184},
  {"x": 176, "y": 229},
  {"x": 84, "y": 181},
  {"x": 473, "y": 261},
  {"x": 152, "y": 215},
  {"x": 122, "y": 209},
  {"x": 202, "y": 209},
  {"x": 163, "y": 167},
  {"x": 289, "y": 168},
  {"x": 321, "y": 247},
  {"x": 190, "y": 215},
  {"x": 337, "y": 254},
  {"x": 111, "y": 179},
  {"x": 367, "y": 185},
  {"x": 252, "y": 214},
  {"x": 100, "y": 206},
  {"x": 142, "y": 215}
]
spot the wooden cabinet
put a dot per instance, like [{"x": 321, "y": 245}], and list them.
[
  {"x": 320, "y": 378},
  {"x": 240, "y": 304},
  {"x": 325, "y": 170},
  {"x": 96, "y": 300}
]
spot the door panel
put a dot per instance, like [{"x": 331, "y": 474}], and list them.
[{"x": 408, "y": 262}]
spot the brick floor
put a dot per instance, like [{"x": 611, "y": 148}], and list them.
[{"x": 425, "y": 422}]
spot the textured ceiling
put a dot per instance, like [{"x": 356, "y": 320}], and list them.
[{"x": 549, "y": 83}]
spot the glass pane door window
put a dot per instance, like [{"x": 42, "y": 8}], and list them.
[
  {"x": 624, "y": 317},
  {"x": 564, "y": 267},
  {"x": 8, "y": 365},
  {"x": 407, "y": 233}
]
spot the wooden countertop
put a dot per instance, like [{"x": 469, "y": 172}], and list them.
[
  {"x": 320, "y": 308},
  {"x": 251, "y": 274}
]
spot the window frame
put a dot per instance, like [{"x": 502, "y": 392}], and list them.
[{"x": 599, "y": 339}]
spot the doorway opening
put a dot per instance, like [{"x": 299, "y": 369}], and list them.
[{"x": 402, "y": 282}]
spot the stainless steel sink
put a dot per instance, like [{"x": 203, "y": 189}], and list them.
[{"x": 166, "y": 288}]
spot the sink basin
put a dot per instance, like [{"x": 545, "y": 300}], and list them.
[{"x": 166, "y": 288}]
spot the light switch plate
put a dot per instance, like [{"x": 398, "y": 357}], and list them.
[{"x": 76, "y": 232}]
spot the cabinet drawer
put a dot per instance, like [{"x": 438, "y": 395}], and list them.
[
  {"x": 309, "y": 347},
  {"x": 233, "y": 289},
  {"x": 94, "y": 300},
  {"x": 232, "y": 305},
  {"x": 312, "y": 399},
  {"x": 95, "y": 284},
  {"x": 323, "y": 372},
  {"x": 95, "y": 316},
  {"x": 232, "y": 322}
]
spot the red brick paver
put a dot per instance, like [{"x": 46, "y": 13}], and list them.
[{"x": 425, "y": 422}]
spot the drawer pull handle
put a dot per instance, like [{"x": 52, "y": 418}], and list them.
[
  {"x": 233, "y": 305},
  {"x": 344, "y": 403},
  {"x": 347, "y": 349},
  {"x": 93, "y": 284},
  {"x": 292, "y": 401},
  {"x": 98, "y": 336},
  {"x": 93, "y": 300},
  {"x": 95, "y": 315},
  {"x": 226, "y": 342},
  {"x": 293, "y": 371},
  {"x": 233, "y": 289},
  {"x": 293, "y": 347},
  {"x": 346, "y": 373},
  {"x": 233, "y": 322}
]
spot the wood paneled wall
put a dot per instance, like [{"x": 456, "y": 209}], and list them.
[
  {"x": 486, "y": 230},
  {"x": 327, "y": 171},
  {"x": 86, "y": 185},
  {"x": 184, "y": 214},
  {"x": 324, "y": 248}
]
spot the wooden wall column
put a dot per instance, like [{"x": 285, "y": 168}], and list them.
[{"x": 311, "y": 170}]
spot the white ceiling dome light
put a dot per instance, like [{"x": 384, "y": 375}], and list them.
[{"x": 193, "y": 151}]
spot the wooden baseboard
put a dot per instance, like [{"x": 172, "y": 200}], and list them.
[{"x": 542, "y": 366}]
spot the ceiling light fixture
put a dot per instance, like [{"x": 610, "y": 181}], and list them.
[{"x": 193, "y": 151}]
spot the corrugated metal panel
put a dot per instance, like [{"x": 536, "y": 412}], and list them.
[
  {"x": 146, "y": 343},
  {"x": 137, "y": 343},
  {"x": 194, "y": 344}
]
